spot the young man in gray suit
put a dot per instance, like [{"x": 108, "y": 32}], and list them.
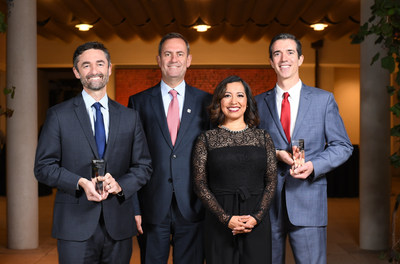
[
  {"x": 171, "y": 212},
  {"x": 293, "y": 110},
  {"x": 93, "y": 226}
]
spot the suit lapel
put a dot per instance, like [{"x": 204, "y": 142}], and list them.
[
  {"x": 304, "y": 105},
  {"x": 113, "y": 130},
  {"x": 189, "y": 108},
  {"x": 82, "y": 115},
  {"x": 271, "y": 103},
  {"x": 158, "y": 107}
]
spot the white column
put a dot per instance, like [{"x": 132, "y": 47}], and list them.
[
  {"x": 374, "y": 145},
  {"x": 22, "y": 187}
]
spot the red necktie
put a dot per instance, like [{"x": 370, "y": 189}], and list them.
[
  {"x": 285, "y": 115},
  {"x": 173, "y": 116}
]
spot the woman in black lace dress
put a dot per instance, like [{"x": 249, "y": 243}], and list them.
[{"x": 235, "y": 177}]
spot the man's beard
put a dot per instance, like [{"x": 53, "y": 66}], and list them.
[{"x": 94, "y": 85}]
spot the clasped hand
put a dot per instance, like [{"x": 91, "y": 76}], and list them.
[
  {"x": 110, "y": 186},
  {"x": 301, "y": 172},
  {"x": 241, "y": 224}
]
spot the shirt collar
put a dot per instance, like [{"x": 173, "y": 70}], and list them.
[
  {"x": 89, "y": 101},
  {"x": 180, "y": 88},
  {"x": 294, "y": 92}
]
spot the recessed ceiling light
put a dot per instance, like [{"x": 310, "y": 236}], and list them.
[
  {"x": 319, "y": 26},
  {"x": 84, "y": 27},
  {"x": 202, "y": 28}
]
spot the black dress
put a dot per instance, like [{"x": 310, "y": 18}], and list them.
[{"x": 235, "y": 174}]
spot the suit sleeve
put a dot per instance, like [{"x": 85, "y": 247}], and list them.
[
  {"x": 200, "y": 182},
  {"x": 48, "y": 169},
  {"x": 140, "y": 165},
  {"x": 136, "y": 205},
  {"x": 135, "y": 198},
  {"x": 338, "y": 146},
  {"x": 131, "y": 102}
]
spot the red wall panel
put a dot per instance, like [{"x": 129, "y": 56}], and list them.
[{"x": 130, "y": 81}]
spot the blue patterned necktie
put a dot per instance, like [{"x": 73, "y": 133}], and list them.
[{"x": 99, "y": 131}]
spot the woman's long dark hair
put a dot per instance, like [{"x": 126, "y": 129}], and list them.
[{"x": 217, "y": 117}]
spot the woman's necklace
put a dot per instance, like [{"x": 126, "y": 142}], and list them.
[{"x": 234, "y": 131}]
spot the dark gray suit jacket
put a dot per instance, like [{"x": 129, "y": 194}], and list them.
[
  {"x": 65, "y": 150},
  {"x": 171, "y": 164}
]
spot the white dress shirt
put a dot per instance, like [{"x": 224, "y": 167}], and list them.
[{"x": 294, "y": 100}]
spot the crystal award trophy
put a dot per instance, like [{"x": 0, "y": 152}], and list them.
[
  {"x": 298, "y": 153},
  {"x": 98, "y": 169}
]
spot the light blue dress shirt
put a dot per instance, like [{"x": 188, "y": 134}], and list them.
[
  {"x": 89, "y": 101},
  {"x": 166, "y": 97}
]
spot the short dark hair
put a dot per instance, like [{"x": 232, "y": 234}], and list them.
[
  {"x": 285, "y": 36},
  {"x": 217, "y": 117},
  {"x": 173, "y": 35},
  {"x": 87, "y": 46}
]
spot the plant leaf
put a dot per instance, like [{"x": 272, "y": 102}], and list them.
[
  {"x": 395, "y": 131},
  {"x": 3, "y": 25},
  {"x": 395, "y": 160},
  {"x": 388, "y": 63},
  {"x": 395, "y": 109},
  {"x": 390, "y": 90},
  {"x": 375, "y": 58},
  {"x": 398, "y": 78}
]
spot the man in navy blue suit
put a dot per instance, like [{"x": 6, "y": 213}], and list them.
[
  {"x": 171, "y": 213},
  {"x": 299, "y": 210},
  {"x": 93, "y": 227}
]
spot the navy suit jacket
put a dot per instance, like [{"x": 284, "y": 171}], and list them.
[
  {"x": 65, "y": 150},
  {"x": 326, "y": 146},
  {"x": 172, "y": 164}
]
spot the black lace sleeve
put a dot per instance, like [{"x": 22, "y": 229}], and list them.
[
  {"x": 270, "y": 179},
  {"x": 200, "y": 181}
]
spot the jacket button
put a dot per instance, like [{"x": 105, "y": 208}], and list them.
[
  {"x": 170, "y": 180},
  {"x": 174, "y": 156}
]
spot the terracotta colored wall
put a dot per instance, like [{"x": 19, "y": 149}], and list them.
[{"x": 130, "y": 81}]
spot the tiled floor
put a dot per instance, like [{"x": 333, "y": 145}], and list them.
[{"x": 343, "y": 232}]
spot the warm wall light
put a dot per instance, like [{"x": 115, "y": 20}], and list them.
[
  {"x": 84, "y": 27},
  {"x": 319, "y": 26}
]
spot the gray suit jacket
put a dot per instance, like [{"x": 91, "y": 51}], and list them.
[
  {"x": 326, "y": 146},
  {"x": 172, "y": 164},
  {"x": 65, "y": 150}
]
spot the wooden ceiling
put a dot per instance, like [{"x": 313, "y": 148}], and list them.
[{"x": 230, "y": 19}]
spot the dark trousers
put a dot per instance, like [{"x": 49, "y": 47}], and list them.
[
  {"x": 185, "y": 237},
  {"x": 99, "y": 248}
]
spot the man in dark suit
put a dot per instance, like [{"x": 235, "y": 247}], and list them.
[
  {"x": 171, "y": 212},
  {"x": 299, "y": 210},
  {"x": 92, "y": 226}
]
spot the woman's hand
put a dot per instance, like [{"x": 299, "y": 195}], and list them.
[{"x": 241, "y": 224}]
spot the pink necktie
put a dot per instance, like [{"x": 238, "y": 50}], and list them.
[
  {"x": 173, "y": 116},
  {"x": 285, "y": 115}
]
